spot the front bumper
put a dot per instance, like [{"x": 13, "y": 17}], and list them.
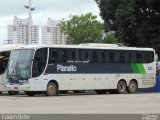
[{"x": 17, "y": 87}]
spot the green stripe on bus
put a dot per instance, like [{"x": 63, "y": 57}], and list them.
[
  {"x": 138, "y": 68},
  {"x": 134, "y": 68},
  {"x": 141, "y": 68}
]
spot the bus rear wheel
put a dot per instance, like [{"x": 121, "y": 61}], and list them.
[
  {"x": 13, "y": 92},
  {"x": 132, "y": 88},
  {"x": 51, "y": 89},
  {"x": 121, "y": 87}
]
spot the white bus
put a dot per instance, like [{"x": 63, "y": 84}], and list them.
[
  {"x": 4, "y": 56},
  {"x": 60, "y": 68}
]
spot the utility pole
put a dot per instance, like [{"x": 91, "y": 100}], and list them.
[{"x": 30, "y": 9}]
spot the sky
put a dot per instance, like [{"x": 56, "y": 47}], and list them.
[{"x": 56, "y": 9}]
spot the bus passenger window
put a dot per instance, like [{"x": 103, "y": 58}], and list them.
[
  {"x": 53, "y": 57},
  {"x": 122, "y": 57},
  {"x": 73, "y": 54},
  {"x": 100, "y": 56},
  {"x": 103, "y": 57},
  {"x": 139, "y": 57},
  {"x": 131, "y": 57},
  {"x": 149, "y": 57},
  {"x": 94, "y": 57},
  {"x": 86, "y": 56},
  {"x": 111, "y": 57},
  {"x": 70, "y": 55}
]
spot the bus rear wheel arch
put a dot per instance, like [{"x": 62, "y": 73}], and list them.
[
  {"x": 52, "y": 88},
  {"x": 132, "y": 87},
  {"x": 122, "y": 87}
]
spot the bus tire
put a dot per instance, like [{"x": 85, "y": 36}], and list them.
[
  {"x": 29, "y": 93},
  {"x": 121, "y": 87},
  {"x": 13, "y": 92},
  {"x": 101, "y": 91},
  {"x": 132, "y": 88},
  {"x": 51, "y": 89}
]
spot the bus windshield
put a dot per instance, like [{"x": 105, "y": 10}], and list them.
[{"x": 20, "y": 64}]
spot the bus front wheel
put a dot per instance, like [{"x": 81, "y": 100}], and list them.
[
  {"x": 121, "y": 87},
  {"x": 132, "y": 88},
  {"x": 51, "y": 89}
]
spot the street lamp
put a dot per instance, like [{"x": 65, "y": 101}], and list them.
[{"x": 30, "y": 9}]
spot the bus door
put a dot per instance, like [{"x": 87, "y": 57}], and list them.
[
  {"x": 39, "y": 64},
  {"x": 3, "y": 64}
]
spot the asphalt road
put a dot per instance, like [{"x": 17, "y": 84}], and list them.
[{"x": 82, "y": 103}]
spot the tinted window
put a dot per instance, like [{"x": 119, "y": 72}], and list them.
[
  {"x": 149, "y": 57},
  {"x": 40, "y": 60},
  {"x": 3, "y": 61},
  {"x": 111, "y": 56},
  {"x": 130, "y": 57},
  {"x": 121, "y": 57},
  {"x": 140, "y": 57}
]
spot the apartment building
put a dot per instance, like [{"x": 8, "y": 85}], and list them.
[
  {"x": 18, "y": 31},
  {"x": 51, "y": 34}
]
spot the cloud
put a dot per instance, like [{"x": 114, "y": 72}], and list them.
[
  {"x": 56, "y": 9},
  {"x": 16, "y": 7}
]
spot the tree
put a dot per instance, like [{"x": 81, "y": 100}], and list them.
[
  {"x": 82, "y": 29},
  {"x": 109, "y": 39},
  {"x": 136, "y": 22}
]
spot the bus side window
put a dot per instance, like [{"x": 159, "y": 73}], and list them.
[
  {"x": 131, "y": 57},
  {"x": 149, "y": 57},
  {"x": 121, "y": 57},
  {"x": 111, "y": 57},
  {"x": 84, "y": 55},
  {"x": 101, "y": 56},
  {"x": 79, "y": 55},
  {"x": 106, "y": 56},
  {"x": 53, "y": 56},
  {"x": 70, "y": 55},
  {"x": 73, "y": 55},
  {"x": 40, "y": 60},
  {"x": 139, "y": 57},
  {"x": 94, "y": 57},
  {"x": 63, "y": 55}
]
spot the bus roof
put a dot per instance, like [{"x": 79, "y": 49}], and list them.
[{"x": 104, "y": 46}]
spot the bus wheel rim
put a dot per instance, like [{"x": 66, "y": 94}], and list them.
[{"x": 51, "y": 89}]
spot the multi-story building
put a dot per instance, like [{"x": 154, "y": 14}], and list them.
[
  {"x": 51, "y": 34},
  {"x": 18, "y": 32}
]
